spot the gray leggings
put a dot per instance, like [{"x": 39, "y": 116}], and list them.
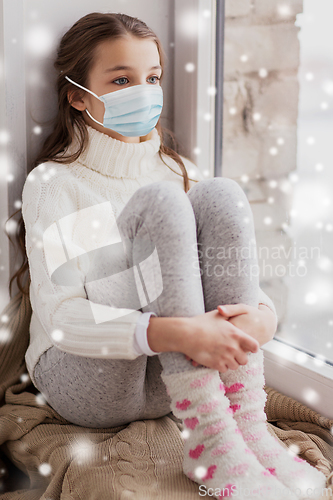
[{"x": 205, "y": 241}]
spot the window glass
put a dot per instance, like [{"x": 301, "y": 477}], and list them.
[{"x": 309, "y": 320}]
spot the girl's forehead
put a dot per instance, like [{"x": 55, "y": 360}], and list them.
[{"x": 130, "y": 51}]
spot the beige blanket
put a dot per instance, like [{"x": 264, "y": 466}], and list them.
[{"x": 141, "y": 461}]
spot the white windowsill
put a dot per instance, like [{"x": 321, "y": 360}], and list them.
[{"x": 306, "y": 382}]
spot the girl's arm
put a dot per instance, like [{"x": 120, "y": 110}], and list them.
[
  {"x": 208, "y": 339},
  {"x": 259, "y": 322}
]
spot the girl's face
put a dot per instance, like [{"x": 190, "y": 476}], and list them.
[{"x": 118, "y": 64}]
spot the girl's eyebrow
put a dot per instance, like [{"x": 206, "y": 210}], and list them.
[{"x": 117, "y": 68}]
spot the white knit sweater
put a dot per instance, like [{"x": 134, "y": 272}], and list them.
[{"x": 68, "y": 210}]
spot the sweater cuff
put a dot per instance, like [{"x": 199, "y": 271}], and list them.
[{"x": 140, "y": 338}]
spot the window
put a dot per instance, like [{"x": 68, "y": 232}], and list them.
[{"x": 301, "y": 356}]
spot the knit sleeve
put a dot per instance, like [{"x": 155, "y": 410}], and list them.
[{"x": 60, "y": 237}]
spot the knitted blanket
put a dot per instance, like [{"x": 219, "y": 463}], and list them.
[{"x": 141, "y": 460}]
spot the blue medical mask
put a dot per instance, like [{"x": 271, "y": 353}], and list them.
[{"x": 133, "y": 111}]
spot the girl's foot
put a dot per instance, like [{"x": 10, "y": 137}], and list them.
[
  {"x": 215, "y": 454},
  {"x": 245, "y": 389}
]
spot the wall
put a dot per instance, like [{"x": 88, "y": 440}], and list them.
[{"x": 260, "y": 124}]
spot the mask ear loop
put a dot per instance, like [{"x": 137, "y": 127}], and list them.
[
  {"x": 83, "y": 88},
  {"x": 99, "y": 123},
  {"x": 92, "y": 93}
]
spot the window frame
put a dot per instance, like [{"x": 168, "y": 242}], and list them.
[
  {"x": 191, "y": 99},
  {"x": 290, "y": 377}
]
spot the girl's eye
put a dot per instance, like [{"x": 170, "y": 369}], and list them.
[
  {"x": 121, "y": 78},
  {"x": 124, "y": 78},
  {"x": 157, "y": 78}
]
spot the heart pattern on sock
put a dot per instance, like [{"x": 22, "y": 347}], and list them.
[
  {"x": 238, "y": 469},
  {"x": 201, "y": 382},
  {"x": 191, "y": 423},
  {"x": 208, "y": 407},
  {"x": 234, "y": 408},
  {"x": 183, "y": 405},
  {"x": 227, "y": 490},
  {"x": 234, "y": 388},
  {"x": 214, "y": 429},
  {"x": 197, "y": 451},
  {"x": 222, "y": 449},
  {"x": 210, "y": 473}
]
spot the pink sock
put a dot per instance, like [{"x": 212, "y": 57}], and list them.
[
  {"x": 215, "y": 454},
  {"x": 245, "y": 389}
]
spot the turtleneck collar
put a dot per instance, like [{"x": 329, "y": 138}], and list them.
[{"x": 115, "y": 158}]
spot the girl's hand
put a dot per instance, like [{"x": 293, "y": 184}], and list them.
[
  {"x": 214, "y": 342},
  {"x": 260, "y": 322}
]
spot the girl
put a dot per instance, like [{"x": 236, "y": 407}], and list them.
[{"x": 121, "y": 249}]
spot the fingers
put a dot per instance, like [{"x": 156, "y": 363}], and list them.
[
  {"x": 223, "y": 311},
  {"x": 249, "y": 344},
  {"x": 230, "y": 310},
  {"x": 194, "y": 363},
  {"x": 242, "y": 358},
  {"x": 244, "y": 340},
  {"x": 232, "y": 364}
]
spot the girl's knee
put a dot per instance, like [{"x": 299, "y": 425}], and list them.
[
  {"x": 216, "y": 186},
  {"x": 224, "y": 183},
  {"x": 167, "y": 195},
  {"x": 161, "y": 189}
]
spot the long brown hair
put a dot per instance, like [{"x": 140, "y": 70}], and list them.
[{"x": 74, "y": 59}]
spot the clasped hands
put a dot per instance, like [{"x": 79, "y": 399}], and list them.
[{"x": 258, "y": 322}]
